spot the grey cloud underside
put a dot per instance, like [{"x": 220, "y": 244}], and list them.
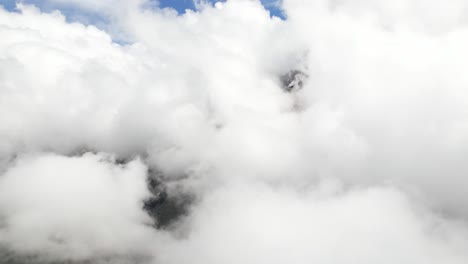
[
  {"x": 14, "y": 258},
  {"x": 228, "y": 136}
]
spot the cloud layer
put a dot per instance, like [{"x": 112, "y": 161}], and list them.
[{"x": 365, "y": 163}]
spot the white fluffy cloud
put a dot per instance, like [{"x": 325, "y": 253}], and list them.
[
  {"x": 258, "y": 224},
  {"x": 365, "y": 164},
  {"x": 74, "y": 207}
]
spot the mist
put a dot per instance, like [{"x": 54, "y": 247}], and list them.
[{"x": 227, "y": 135}]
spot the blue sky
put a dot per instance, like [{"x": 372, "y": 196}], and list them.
[
  {"x": 74, "y": 14},
  {"x": 179, "y": 5}
]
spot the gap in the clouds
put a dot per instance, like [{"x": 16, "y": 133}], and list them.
[
  {"x": 182, "y": 5},
  {"x": 70, "y": 12},
  {"x": 87, "y": 17},
  {"x": 9, "y": 5},
  {"x": 77, "y": 15},
  {"x": 179, "y": 5}
]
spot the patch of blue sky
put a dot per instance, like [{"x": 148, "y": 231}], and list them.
[
  {"x": 87, "y": 17},
  {"x": 274, "y": 6},
  {"x": 75, "y": 14},
  {"x": 9, "y": 5},
  {"x": 71, "y": 13},
  {"x": 181, "y": 5}
]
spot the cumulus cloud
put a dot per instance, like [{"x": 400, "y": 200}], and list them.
[
  {"x": 363, "y": 163},
  {"x": 73, "y": 206},
  {"x": 258, "y": 224}
]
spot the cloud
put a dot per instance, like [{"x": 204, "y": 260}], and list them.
[
  {"x": 259, "y": 224},
  {"x": 73, "y": 207},
  {"x": 364, "y": 163}
]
